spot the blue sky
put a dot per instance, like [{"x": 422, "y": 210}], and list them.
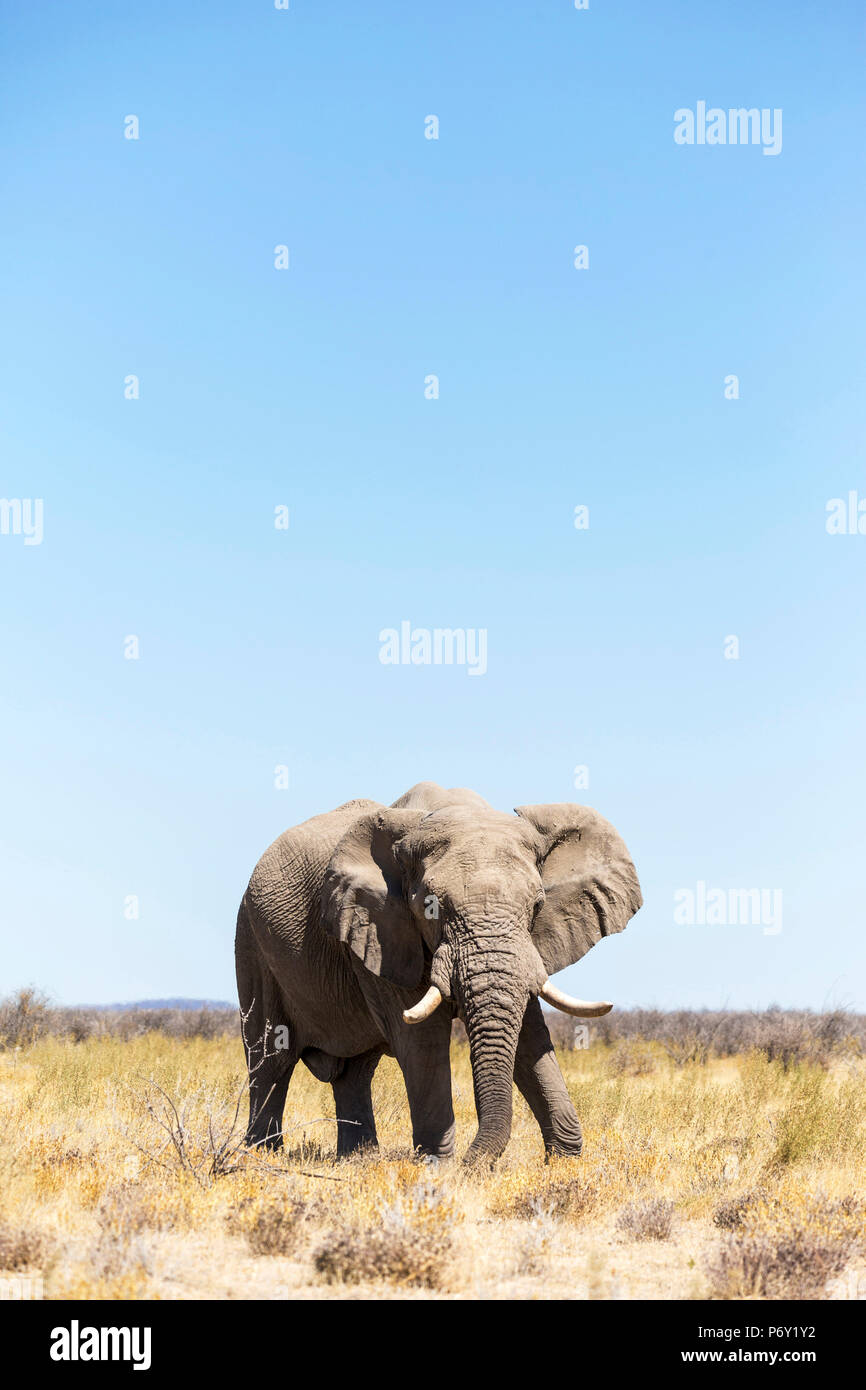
[{"x": 305, "y": 387}]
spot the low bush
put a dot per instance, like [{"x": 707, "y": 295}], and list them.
[{"x": 650, "y": 1219}]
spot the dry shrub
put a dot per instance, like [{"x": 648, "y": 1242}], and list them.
[
  {"x": 790, "y": 1038},
  {"x": 136, "y": 1207},
  {"x": 389, "y": 1253},
  {"x": 690, "y": 1049},
  {"x": 21, "y": 1247},
  {"x": 24, "y": 1017},
  {"x": 562, "y": 1198},
  {"x": 207, "y": 1022},
  {"x": 732, "y": 1213},
  {"x": 410, "y": 1244},
  {"x": 775, "y": 1266},
  {"x": 787, "y": 1250},
  {"x": 630, "y": 1058},
  {"x": 200, "y": 1136},
  {"x": 787, "y": 1035},
  {"x": 648, "y": 1220},
  {"x": 270, "y": 1226}
]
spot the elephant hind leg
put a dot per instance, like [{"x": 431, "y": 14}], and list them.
[
  {"x": 353, "y": 1101},
  {"x": 269, "y": 1043},
  {"x": 426, "y": 1066}
]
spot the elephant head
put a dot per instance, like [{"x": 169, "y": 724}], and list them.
[{"x": 481, "y": 907}]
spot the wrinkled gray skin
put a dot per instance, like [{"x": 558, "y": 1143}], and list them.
[{"x": 337, "y": 935}]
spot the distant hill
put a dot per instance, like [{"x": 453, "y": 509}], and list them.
[{"x": 129, "y": 1005}]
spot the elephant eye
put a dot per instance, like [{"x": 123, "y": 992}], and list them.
[{"x": 539, "y": 903}]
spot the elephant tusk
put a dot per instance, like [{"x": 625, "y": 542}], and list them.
[
  {"x": 424, "y": 1008},
  {"x": 580, "y": 1008}
]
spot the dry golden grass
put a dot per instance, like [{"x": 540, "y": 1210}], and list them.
[{"x": 99, "y": 1201}]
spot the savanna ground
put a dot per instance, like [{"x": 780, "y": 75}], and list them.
[{"x": 710, "y": 1169}]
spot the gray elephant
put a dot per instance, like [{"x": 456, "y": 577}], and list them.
[{"x": 366, "y": 930}]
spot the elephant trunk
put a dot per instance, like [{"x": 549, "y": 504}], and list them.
[
  {"x": 492, "y": 1053},
  {"x": 493, "y": 991}
]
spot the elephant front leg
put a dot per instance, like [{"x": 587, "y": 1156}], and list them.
[
  {"x": 541, "y": 1083},
  {"x": 424, "y": 1053}
]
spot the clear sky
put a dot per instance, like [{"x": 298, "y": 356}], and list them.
[{"x": 558, "y": 387}]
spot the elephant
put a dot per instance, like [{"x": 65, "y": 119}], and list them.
[{"x": 366, "y": 930}]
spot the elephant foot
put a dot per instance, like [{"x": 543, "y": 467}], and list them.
[
  {"x": 564, "y": 1140},
  {"x": 563, "y": 1151},
  {"x": 354, "y": 1138},
  {"x": 437, "y": 1145},
  {"x": 272, "y": 1143},
  {"x": 434, "y": 1161}
]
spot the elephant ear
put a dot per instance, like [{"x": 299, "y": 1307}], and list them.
[
  {"x": 590, "y": 884},
  {"x": 362, "y": 899}
]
